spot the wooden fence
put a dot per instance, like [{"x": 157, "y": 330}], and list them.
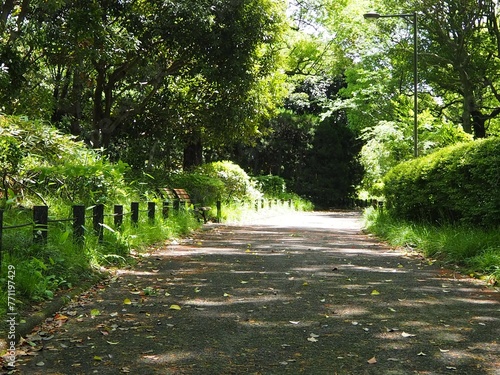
[{"x": 41, "y": 220}]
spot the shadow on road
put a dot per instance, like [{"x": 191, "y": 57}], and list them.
[{"x": 302, "y": 294}]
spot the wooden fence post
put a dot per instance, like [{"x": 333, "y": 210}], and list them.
[
  {"x": 134, "y": 207},
  {"x": 151, "y": 211},
  {"x": 118, "y": 215},
  {"x": 78, "y": 223},
  {"x": 219, "y": 211},
  {"x": 40, "y": 218},
  {"x": 98, "y": 220},
  {"x": 165, "y": 209}
]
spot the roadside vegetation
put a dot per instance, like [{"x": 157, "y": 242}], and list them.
[
  {"x": 476, "y": 251},
  {"x": 447, "y": 205}
]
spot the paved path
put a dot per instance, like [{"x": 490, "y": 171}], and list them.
[{"x": 301, "y": 294}]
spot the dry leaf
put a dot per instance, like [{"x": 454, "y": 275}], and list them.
[
  {"x": 372, "y": 361},
  {"x": 61, "y": 317},
  {"x": 404, "y": 334}
]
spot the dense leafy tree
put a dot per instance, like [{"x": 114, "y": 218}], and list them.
[
  {"x": 332, "y": 171},
  {"x": 102, "y": 63},
  {"x": 461, "y": 58}
]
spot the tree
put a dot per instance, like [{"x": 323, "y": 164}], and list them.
[
  {"x": 102, "y": 63},
  {"x": 332, "y": 171},
  {"x": 461, "y": 40}
]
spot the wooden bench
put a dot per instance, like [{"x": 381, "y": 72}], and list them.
[{"x": 181, "y": 197}]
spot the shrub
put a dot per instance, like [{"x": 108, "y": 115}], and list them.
[
  {"x": 202, "y": 189},
  {"x": 55, "y": 164},
  {"x": 271, "y": 186},
  {"x": 237, "y": 184},
  {"x": 10, "y": 159},
  {"x": 456, "y": 184}
]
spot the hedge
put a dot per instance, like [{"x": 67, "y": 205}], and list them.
[{"x": 457, "y": 184}]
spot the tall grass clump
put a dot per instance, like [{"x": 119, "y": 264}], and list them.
[{"x": 475, "y": 249}]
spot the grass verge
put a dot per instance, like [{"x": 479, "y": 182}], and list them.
[{"x": 475, "y": 250}]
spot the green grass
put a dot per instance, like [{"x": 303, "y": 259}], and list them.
[
  {"x": 41, "y": 270},
  {"x": 247, "y": 212},
  {"x": 476, "y": 250}
]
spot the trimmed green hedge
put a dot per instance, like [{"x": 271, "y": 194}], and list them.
[{"x": 460, "y": 183}]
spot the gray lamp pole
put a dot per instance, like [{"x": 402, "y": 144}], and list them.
[{"x": 413, "y": 18}]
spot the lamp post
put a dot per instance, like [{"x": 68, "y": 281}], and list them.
[{"x": 413, "y": 18}]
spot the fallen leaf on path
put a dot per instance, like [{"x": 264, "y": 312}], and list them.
[
  {"x": 126, "y": 301},
  {"x": 372, "y": 361},
  {"x": 421, "y": 354},
  {"x": 294, "y": 321},
  {"x": 405, "y": 334},
  {"x": 375, "y": 292},
  {"x": 97, "y": 358},
  {"x": 95, "y": 312},
  {"x": 175, "y": 307}
]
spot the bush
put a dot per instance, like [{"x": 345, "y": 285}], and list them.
[
  {"x": 204, "y": 190},
  {"x": 271, "y": 186},
  {"x": 237, "y": 185},
  {"x": 55, "y": 164},
  {"x": 456, "y": 184}
]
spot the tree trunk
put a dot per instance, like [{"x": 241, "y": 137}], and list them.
[
  {"x": 478, "y": 124},
  {"x": 468, "y": 105},
  {"x": 193, "y": 151}
]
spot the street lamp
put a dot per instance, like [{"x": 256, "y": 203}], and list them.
[{"x": 413, "y": 18}]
